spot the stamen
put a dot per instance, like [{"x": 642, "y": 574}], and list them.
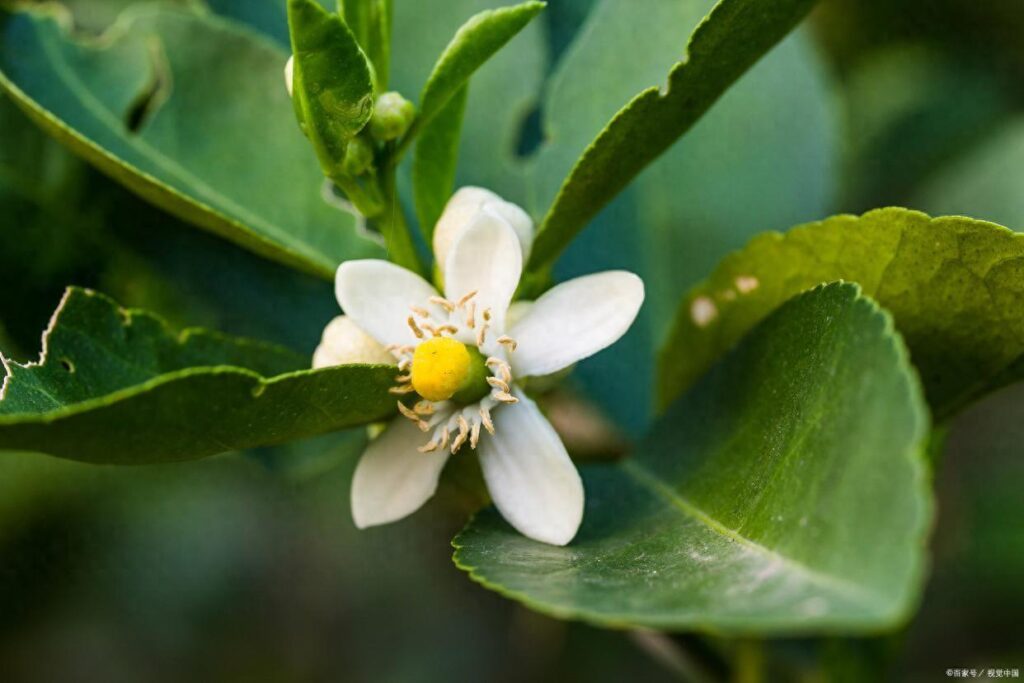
[
  {"x": 424, "y": 408},
  {"x": 505, "y": 397},
  {"x": 421, "y": 312},
  {"x": 429, "y": 447},
  {"x": 445, "y": 434},
  {"x": 404, "y": 364},
  {"x": 465, "y": 299},
  {"x": 403, "y": 389},
  {"x": 487, "y": 314},
  {"x": 485, "y": 418},
  {"x": 474, "y": 435},
  {"x": 402, "y": 379},
  {"x": 463, "y": 434},
  {"x": 471, "y": 315},
  {"x": 404, "y": 410},
  {"x": 443, "y": 303},
  {"x": 415, "y": 329},
  {"x": 481, "y": 334},
  {"x": 450, "y": 329},
  {"x": 498, "y": 384},
  {"x": 509, "y": 342}
]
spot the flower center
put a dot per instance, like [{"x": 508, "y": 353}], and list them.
[{"x": 443, "y": 368}]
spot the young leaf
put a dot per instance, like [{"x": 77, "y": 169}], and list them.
[
  {"x": 955, "y": 287},
  {"x": 474, "y": 43},
  {"x": 723, "y": 46},
  {"x": 370, "y": 22},
  {"x": 190, "y": 112},
  {"x": 332, "y": 82},
  {"x": 117, "y": 386},
  {"x": 785, "y": 493},
  {"x": 435, "y": 160}
]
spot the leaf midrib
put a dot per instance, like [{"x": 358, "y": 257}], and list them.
[{"x": 648, "y": 479}]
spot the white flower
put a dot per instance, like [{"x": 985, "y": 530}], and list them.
[{"x": 460, "y": 363}]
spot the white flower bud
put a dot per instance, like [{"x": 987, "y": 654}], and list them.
[
  {"x": 345, "y": 342},
  {"x": 289, "y": 74},
  {"x": 463, "y": 207}
]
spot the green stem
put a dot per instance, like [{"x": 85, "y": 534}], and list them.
[
  {"x": 392, "y": 224},
  {"x": 368, "y": 203}
]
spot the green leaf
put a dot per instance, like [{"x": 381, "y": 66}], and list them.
[
  {"x": 435, "y": 162},
  {"x": 785, "y": 493},
  {"x": 190, "y": 112},
  {"x": 370, "y": 22},
  {"x": 332, "y": 83},
  {"x": 721, "y": 192},
  {"x": 722, "y": 47},
  {"x": 474, "y": 43},
  {"x": 955, "y": 287},
  {"x": 117, "y": 386}
]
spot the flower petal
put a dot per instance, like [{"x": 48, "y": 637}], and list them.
[
  {"x": 463, "y": 207},
  {"x": 344, "y": 342},
  {"x": 575, "y": 320},
  {"x": 532, "y": 481},
  {"x": 377, "y": 295},
  {"x": 393, "y": 479},
  {"x": 486, "y": 258}
]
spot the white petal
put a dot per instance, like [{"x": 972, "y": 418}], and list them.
[
  {"x": 575, "y": 320},
  {"x": 532, "y": 481},
  {"x": 289, "y": 74},
  {"x": 485, "y": 258},
  {"x": 377, "y": 296},
  {"x": 345, "y": 342},
  {"x": 393, "y": 479},
  {"x": 463, "y": 207}
]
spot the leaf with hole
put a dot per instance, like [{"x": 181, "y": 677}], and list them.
[
  {"x": 785, "y": 493},
  {"x": 190, "y": 112},
  {"x": 117, "y": 386}
]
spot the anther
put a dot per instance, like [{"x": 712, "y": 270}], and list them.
[
  {"x": 505, "y": 397},
  {"x": 481, "y": 335},
  {"x": 404, "y": 389},
  {"x": 509, "y": 342},
  {"x": 429, "y": 447},
  {"x": 404, "y": 364},
  {"x": 450, "y": 329},
  {"x": 404, "y": 410},
  {"x": 421, "y": 312},
  {"x": 474, "y": 435},
  {"x": 498, "y": 384},
  {"x": 471, "y": 315},
  {"x": 402, "y": 379},
  {"x": 443, "y": 303},
  {"x": 485, "y": 418},
  {"x": 487, "y": 314},
  {"x": 465, "y": 299},
  {"x": 415, "y": 328},
  {"x": 424, "y": 408}
]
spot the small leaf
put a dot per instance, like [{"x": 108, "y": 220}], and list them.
[
  {"x": 435, "y": 160},
  {"x": 332, "y": 83},
  {"x": 723, "y": 46},
  {"x": 370, "y": 22},
  {"x": 955, "y": 287},
  {"x": 474, "y": 43},
  {"x": 786, "y": 493},
  {"x": 117, "y": 386},
  {"x": 190, "y": 112}
]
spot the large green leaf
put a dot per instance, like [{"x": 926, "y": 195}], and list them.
[
  {"x": 785, "y": 493},
  {"x": 189, "y": 111},
  {"x": 721, "y": 48},
  {"x": 117, "y": 386},
  {"x": 955, "y": 287}
]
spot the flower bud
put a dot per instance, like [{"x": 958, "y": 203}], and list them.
[
  {"x": 463, "y": 207},
  {"x": 392, "y": 116},
  {"x": 358, "y": 156},
  {"x": 345, "y": 342}
]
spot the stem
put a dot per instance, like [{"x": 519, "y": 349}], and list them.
[
  {"x": 749, "y": 661},
  {"x": 366, "y": 202},
  {"x": 393, "y": 226}
]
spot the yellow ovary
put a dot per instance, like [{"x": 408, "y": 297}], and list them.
[{"x": 440, "y": 366}]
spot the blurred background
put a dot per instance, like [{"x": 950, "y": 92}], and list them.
[{"x": 247, "y": 566}]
